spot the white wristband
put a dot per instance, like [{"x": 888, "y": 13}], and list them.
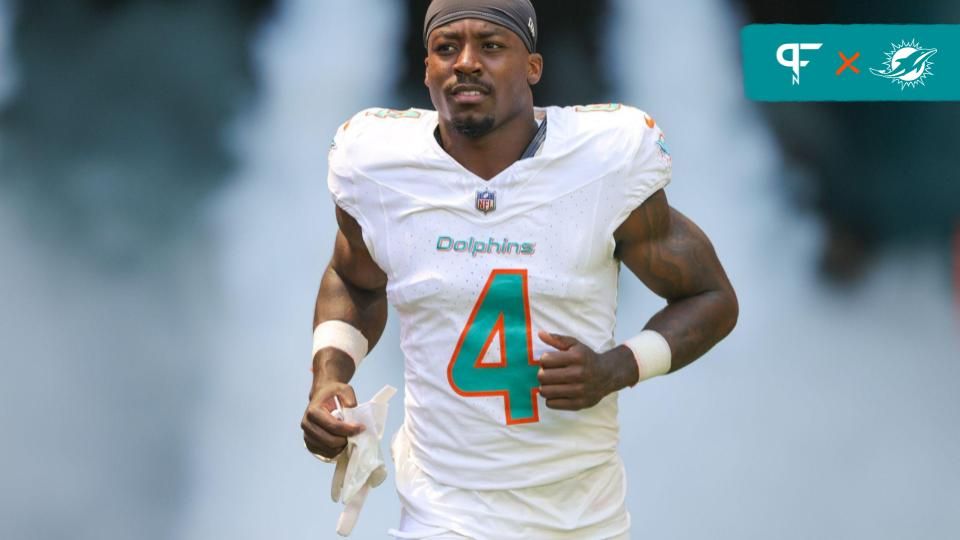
[
  {"x": 652, "y": 353},
  {"x": 340, "y": 335}
]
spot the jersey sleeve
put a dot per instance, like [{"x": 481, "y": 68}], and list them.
[
  {"x": 647, "y": 169},
  {"x": 351, "y": 191}
]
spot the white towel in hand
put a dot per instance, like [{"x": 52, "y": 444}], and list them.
[{"x": 360, "y": 466}]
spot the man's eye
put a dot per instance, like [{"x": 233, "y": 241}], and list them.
[
  {"x": 493, "y": 46},
  {"x": 443, "y": 49}
]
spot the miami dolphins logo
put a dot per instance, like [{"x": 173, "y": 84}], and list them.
[
  {"x": 664, "y": 151},
  {"x": 908, "y": 64}
]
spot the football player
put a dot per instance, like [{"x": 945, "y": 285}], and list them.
[{"x": 497, "y": 231}]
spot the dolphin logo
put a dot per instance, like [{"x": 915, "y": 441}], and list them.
[{"x": 908, "y": 64}]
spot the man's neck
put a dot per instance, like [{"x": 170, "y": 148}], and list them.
[{"x": 489, "y": 155}]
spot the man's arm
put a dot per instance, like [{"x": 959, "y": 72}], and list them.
[
  {"x": 676, "y": 260},
  {"x": 352, "y": 290},
  {"x": 672, "y": 257}
]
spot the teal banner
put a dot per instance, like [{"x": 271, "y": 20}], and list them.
[{"x": 856, "y": 62}]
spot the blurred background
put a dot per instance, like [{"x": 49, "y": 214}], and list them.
[{"x": 164, "y": 222}]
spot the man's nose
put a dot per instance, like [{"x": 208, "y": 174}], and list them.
[{"x": 468, "y": 60}]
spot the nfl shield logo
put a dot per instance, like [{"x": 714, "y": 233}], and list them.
[{"x": 486, "y": 201}]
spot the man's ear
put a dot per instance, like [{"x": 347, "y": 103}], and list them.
[
  {"x": 426, "y": 67},
  {"x": 534, "y": 68}
]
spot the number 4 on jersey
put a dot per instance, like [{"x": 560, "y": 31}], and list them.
[{"x": 503, "y": 309}]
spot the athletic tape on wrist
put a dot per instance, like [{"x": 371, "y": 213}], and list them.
[
  {"x": 340, "y": 335},
  {"x": 652, "y": 353}
]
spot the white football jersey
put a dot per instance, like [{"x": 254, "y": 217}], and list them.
[{"x": 477, "y": 267}]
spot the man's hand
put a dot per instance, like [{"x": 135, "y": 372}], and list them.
[
  {"x": 575, "y": 377},
  {"x": 323, "y": 433}
]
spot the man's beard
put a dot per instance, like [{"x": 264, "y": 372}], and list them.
[{"x": 474, "y": 128}]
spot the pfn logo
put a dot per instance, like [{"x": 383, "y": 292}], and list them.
[{"x": 794, "y": 62}]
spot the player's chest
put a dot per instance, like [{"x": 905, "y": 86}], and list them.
[{"x": 447, "y": 254}]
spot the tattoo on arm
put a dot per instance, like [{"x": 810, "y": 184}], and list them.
[{"x": 676, "y": 260}]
